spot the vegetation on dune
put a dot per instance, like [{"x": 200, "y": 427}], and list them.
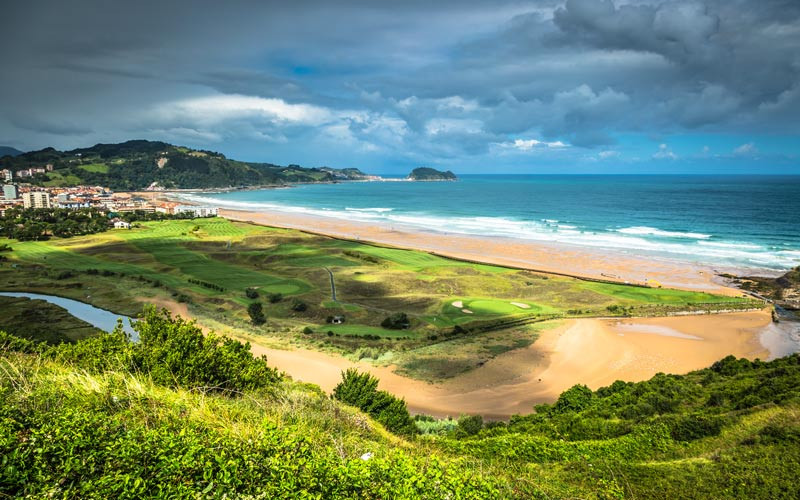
[{"x": 104, "y": 417}]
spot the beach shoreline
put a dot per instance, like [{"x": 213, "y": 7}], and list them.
[{"x": 550, "y": 258}]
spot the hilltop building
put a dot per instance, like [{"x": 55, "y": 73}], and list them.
[
  {"x": 36, "y": 199},
  {"x": 7, "y": 175},
  {"x": 10, "y": 192}
]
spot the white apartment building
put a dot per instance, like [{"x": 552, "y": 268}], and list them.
[{"x": 36, "y": 199}]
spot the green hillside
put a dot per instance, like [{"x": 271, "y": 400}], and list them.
[
  {"x": 180, "y": 415},
  {"x": 135, "y": 165}
]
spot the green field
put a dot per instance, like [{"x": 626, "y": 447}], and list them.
[
  {"x": 208, "y": 263},
  {"x": 99, "y": 168}
]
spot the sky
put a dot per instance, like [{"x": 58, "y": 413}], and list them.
[{"x": 575, "y": 86}]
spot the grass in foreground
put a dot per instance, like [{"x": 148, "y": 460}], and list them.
[{"x": 75, "y": 422}]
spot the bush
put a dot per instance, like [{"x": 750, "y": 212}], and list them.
[
  {"x": 251, "y": 293},
  {"x": 308, "y": 330},
  {"x": 470, "y": 424},
  {"x": 361, "y": 390},
  {"x": 298, "y": 305},
  {"x": 691, "y": 427},
  {"x": 396, "y": 321},
  {"x": 256, "y": 312},
  {"x": 172, "y": 351},
  {"x": 274, "y": 298},
  {"x": 176, "y": 353},
  {"x": 574, "y": 399}
]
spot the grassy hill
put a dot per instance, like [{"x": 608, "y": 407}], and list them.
[
  {"x": 104, "y": 418},
  {"x": 135, "y": 165}
]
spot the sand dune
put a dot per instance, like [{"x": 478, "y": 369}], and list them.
[{"x": 594, "y": 352}]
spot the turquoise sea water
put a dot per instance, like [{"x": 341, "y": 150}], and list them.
[{"x": 736, "y": 221}]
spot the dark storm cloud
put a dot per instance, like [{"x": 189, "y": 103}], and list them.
[{"x": 419, "y": 81}]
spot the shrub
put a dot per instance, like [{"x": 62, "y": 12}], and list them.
[
  {"x": 396, "y": 321},
  {"x": 470, "y": 424},
  {"x": 176, "y": 353},
  {"x": 256, "y": 312},
  {"x": 103, "y": 352},
  {"x": 274, "y": 298},
  {"x": 10, "y": 342},
  {"x": 308, "y": 330},
  {"x": 298, "y": 305},
  {"x": 691, "y": 427},
  {"x": 361, "y": 390},
  {"x": 574, "y": 399},
  {"x": 251, "y": 293}
]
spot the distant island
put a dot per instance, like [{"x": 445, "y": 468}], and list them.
[
  {"x": 431, "y": 174},
  {"x": 139, "y": 164}
]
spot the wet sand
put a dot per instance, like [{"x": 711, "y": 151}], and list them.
[{"x": 553, "y": 258}]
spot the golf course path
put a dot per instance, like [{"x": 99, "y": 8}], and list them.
[{"x": 333, "y": 285}]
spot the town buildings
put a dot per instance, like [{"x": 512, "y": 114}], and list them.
[
  {"x": 10, "y": 192},
  {"x": 36, "y": 199}
]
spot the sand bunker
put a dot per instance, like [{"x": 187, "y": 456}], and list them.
[
  {"x": 466, "y": 311},
  {"x": 458, "y": 304},
  {"x": 520, "y": 305}
]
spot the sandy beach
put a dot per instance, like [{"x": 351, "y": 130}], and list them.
[
  {"x": 552, "y": 258},
  {"x": 595, "y": 352}
]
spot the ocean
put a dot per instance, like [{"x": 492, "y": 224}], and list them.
[{"x": 743, "y": 221}]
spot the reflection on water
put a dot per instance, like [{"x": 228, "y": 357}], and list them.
[{"x": 99, "y": 318}]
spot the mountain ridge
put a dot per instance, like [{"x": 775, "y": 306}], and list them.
[{"x": 142, "y": 164}]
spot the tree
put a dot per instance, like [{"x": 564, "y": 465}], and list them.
[
  {"x": 256, "y": 312},
  {"x": 361, "y": 390},
  {"x": 251, "y": 293},
  {"x": 574, "y": 399},
  {"x": 396, "y": 321}
]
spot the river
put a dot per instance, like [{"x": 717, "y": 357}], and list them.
[{"x": 99, "y": 318}]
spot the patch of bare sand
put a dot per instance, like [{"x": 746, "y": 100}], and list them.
[
  {"x": 584, "y": 351},
  {"x": 174, "y": 307}
]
